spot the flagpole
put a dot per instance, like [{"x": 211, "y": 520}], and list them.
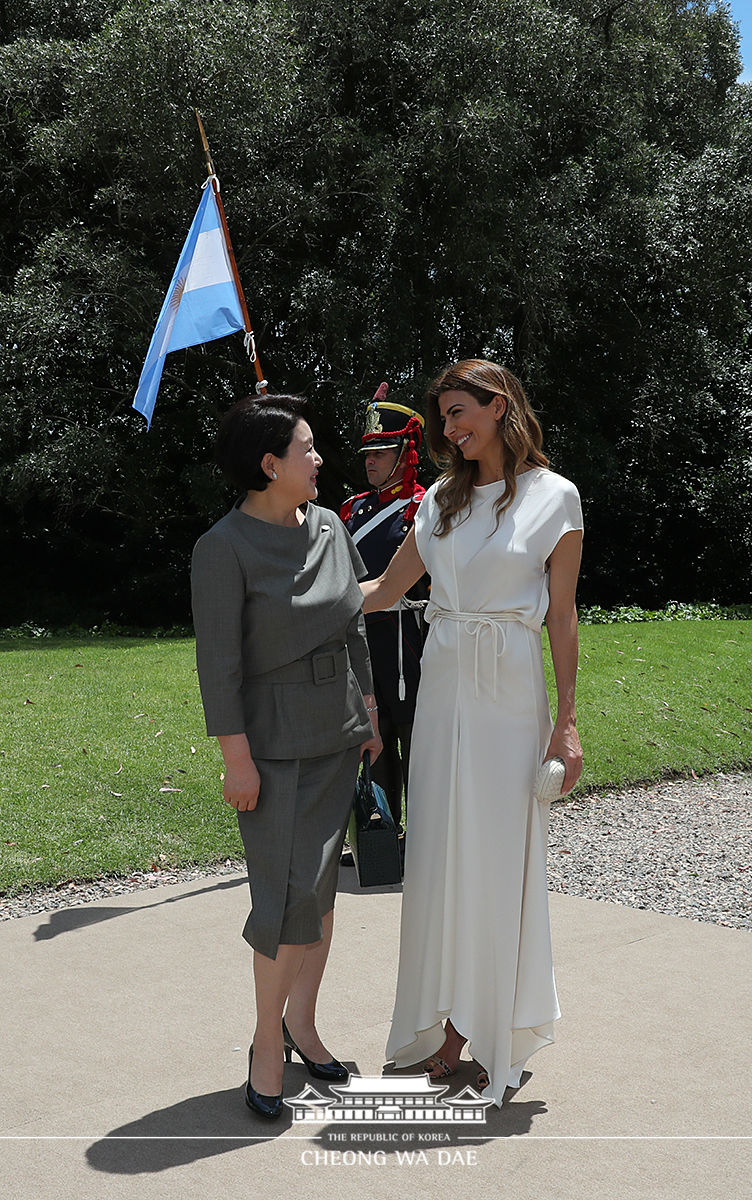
[{"x": 250, "y": 342}]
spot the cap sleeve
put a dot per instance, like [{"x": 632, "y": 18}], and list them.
[
  {"x": 425, "y": 523},
  {"x": 565, "y": 514}
]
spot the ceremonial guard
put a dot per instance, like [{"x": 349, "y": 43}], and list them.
[{"x": 379, "y": 521}]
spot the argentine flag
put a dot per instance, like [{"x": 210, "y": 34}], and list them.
[{"x": 201, "y": 304}]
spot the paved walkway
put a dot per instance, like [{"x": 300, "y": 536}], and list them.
[{"x": 125, "y": 1033}]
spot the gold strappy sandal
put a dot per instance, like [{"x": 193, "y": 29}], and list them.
[{"x": 436, "y": 1067}]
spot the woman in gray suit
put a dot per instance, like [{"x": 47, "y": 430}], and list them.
[{"x": 286, "y": 686}]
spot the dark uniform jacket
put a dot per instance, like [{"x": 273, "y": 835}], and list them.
[{"x": 377, "y": 548}]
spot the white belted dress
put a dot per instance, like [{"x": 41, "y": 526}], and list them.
[{"x": 475, "y": 941}]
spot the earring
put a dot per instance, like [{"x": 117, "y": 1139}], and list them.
[{"x": 274, "y": 474}]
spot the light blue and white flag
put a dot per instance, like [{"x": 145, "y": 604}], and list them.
[{"x": 201, "y": 304}]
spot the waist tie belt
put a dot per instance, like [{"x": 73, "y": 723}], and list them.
[{"x": 474, "y": 623}]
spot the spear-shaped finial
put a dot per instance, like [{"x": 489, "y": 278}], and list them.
[{"x": 204, "y": 143}]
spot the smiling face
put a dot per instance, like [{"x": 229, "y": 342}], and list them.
[
  {"x": 297, "y": 471},
  {"x": 471, "y": 426},
  {"x": 380, "y": 464}
]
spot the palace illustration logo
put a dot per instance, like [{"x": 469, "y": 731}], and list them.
[{"x": 404, "y": 1100}]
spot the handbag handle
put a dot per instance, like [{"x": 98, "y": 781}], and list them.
[{"x": 366, "y": 768}]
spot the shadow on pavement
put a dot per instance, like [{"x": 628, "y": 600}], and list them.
[
  {"x": 201, "y": 1127},
  {"x": 217, "y": 1123},
  {"x": 514, "y": 1119},
  {"x": 67, "y": 920}
]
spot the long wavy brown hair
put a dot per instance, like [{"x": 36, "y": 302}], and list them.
[{"x": 519, "y": 432}]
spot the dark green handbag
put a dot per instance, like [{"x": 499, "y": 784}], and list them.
[{"x": 372, "y": 833}]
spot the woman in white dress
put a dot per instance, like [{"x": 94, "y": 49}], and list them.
[{"x": 501, "y": 536}]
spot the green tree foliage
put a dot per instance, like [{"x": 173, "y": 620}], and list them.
[{"x": 562, "y": 186}]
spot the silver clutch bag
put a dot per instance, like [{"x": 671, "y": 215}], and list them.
[{"x": 549, "y": 779}]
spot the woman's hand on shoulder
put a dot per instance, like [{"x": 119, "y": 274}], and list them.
[{"x": 565, "y": 744}]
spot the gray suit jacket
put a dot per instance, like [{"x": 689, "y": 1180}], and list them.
[{"x": 280, "y": 636}]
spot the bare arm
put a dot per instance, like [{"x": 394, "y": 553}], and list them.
[
  {"x": 405, "y": 569},
  {"x": 561, "y": 623}
]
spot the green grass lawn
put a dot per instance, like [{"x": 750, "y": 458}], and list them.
[
  {"x": 663, "y": 698},
  {"x": 105, "y": 766}
]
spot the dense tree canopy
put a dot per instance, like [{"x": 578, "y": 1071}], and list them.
[{"x": 562, "y": 185}]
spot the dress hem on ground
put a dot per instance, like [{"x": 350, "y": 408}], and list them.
[{"x": 524, "y": 1043}]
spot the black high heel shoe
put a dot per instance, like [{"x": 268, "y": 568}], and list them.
[
  {"x": 332, "y": 1071},
  {"x": 266, "y": 1106}
]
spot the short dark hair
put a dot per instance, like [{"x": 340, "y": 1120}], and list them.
[{"x": 253, "y": 427}]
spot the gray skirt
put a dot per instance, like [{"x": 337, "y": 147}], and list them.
[{"x": 293, "y": 841}]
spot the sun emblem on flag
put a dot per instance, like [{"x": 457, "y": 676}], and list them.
[{"x": 177, "y": 291}]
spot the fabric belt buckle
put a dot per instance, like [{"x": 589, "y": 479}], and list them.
[{"x": 324, "y": 667}]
